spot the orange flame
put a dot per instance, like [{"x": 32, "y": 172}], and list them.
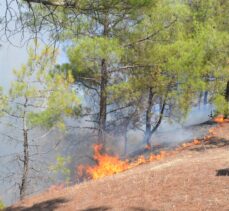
[
  {"x": 219, "y": 119},
  {"x": 106, "y": 164},
  {"x": 109, "y": 165}
]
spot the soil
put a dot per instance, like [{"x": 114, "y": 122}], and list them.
[{"x": 196, "y": 178}]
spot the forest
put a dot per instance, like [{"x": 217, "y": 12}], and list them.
[{"x": 127, "y": 67}]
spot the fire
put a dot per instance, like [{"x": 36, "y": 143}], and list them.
[
  {"x": 109, "y": 165},
  {"x": 141, "y": 160},
  {"x": 219, "y": 119},
  {"x": 194, "y": 142},
  {"x": 106, "y": 164}
]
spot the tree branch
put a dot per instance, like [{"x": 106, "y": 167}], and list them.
[
  {"x": 61, "y": 3},
  {"x": 153, "y": 34}
]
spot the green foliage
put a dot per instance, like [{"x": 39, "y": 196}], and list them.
[
  {"x": 222, "y": 106},
  {"x": 61, "y": 167},
  {"x": 3, "y": 102},
  {"x": 184, "y": 58},
  {"x": 42, "y": 98},
  {"x": 61, "y": 102},
  {"x": 38, "y": 99},
  {"x": 87, "y": 53},
  {"x": 177, "y": 48},
  {"x": 185, "y": 51}
]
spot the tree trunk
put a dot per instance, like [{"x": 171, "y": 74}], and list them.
[
  {"x": 205, "y": 97},
  {"x": 147, "y": 135},
  {"x": 227, "y": 92},
  {"x": 103, "y": 91},
  {"x": 200, "y": 99},
  {"x": 24, "y": 180},
  {"x": 103, "y": 103}
]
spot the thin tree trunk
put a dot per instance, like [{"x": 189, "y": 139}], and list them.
[
  {"x": 200, "y": 99},
  {"x": 227, "y": 92},
  {"x": 149, "y": 134},
  {"x": 103, "y": 103},
  {"x": 148, "y": 117},
  {"x": 227, "y": 99},
  {"x": 24, "y": 179},
  {"x": 205, "y": 97},
  {"x": 103, "y": 92}
]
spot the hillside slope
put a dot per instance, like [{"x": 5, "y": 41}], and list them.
[{"x": 194, "y": 179}]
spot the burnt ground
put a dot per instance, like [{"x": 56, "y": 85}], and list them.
[{"x": 193, "y": 179}]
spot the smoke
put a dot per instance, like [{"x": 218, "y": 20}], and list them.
[
  {"x": 199, "y": 115},
  {"x": 170, "y": 133},
  {"x": 77, "y": 143}
]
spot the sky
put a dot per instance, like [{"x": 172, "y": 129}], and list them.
[
  {"x": 10, "y": 58},
  {"x": 13, "y": 57}
]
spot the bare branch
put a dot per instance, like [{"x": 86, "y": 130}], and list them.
[
  {"x": 153, "y": 34},
  {"x": 130, "y": 67},
  {"x": 61, "y": 3}
]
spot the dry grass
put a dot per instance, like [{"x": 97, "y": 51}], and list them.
[{"x": 186, "y": 181}]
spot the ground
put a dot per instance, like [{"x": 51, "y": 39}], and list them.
[{"x": 193, "y": 179}]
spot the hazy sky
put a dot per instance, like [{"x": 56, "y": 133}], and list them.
[{"x": 10, "y": 57}]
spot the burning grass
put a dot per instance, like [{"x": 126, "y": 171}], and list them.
[
  {"x": 219, "y": 119},
  {"x": 107, "y": 165}
]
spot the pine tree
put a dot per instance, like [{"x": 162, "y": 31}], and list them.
[{"x": 37, "y": 99}]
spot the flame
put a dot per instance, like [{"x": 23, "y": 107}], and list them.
[
  {"x": 110, "y": 165},
  {"x": 194, "y": 142},
  {"x": 106, "y": 164},
  {"x": 141, "y": 160},
  {"x": 219, "y": 119}
]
